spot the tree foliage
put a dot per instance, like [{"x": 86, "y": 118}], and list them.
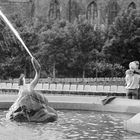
[
  {"x": 69, "y": 49},
  {"x": 123, "y": 44},
  {"x": 14, "y": 58}
]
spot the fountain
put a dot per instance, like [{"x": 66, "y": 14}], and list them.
[{"x": 30, "y": 106}]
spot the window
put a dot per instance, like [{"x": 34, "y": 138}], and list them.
[
  {"x": 132, "y": 5},
  {"x": 112, "y": 11},
  {"x": 54, "y": 11},
  {"x": 92, "y": 11}
]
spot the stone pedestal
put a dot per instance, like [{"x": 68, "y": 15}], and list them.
[{"x": 133, "y": 124}]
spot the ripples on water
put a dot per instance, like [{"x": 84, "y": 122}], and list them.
[{"x": 71, "y": 125}]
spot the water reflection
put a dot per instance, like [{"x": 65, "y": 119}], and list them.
[{"x": 71, "y": 125}]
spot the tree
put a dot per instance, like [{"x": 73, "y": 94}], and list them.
[
  {"x": 53, "y": 50},
  {"x": 88, "y": 44},
  {"x": 122, "y": 45},
  {"x": 15, "y": 58}
]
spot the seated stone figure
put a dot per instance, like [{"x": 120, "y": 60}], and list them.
[{"x": 30, "y": 105}]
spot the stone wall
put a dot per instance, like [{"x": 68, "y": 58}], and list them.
[{"x": 69, "y": 9}]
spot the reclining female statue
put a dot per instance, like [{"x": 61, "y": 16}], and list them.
[{"x": 30, "y": 105}]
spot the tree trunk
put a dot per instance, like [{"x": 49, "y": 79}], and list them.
[
  {"x": 83, "y": 73},
  {"x": 25, "y": 71},
  {"x": 96, "y": 72},
  {"x": 112, "y": 71},
  {"x": 54, "y": 70}
]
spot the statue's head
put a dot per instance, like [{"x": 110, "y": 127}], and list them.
[{"x": 21, "y": 79}]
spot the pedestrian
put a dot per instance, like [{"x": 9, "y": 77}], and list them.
[{"x": 132, "y": 79}]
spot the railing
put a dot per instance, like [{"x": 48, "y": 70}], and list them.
[
  {"x": 102, "y": 81},
  {"x": 69, "y": 88}
]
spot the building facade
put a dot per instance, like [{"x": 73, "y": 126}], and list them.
[{"x": 96, "y": 11}]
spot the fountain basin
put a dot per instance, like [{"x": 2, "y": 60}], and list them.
[{"x": 89, "y": 103}]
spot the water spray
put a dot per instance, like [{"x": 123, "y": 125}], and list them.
[{"x": 15, "y": 32}]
